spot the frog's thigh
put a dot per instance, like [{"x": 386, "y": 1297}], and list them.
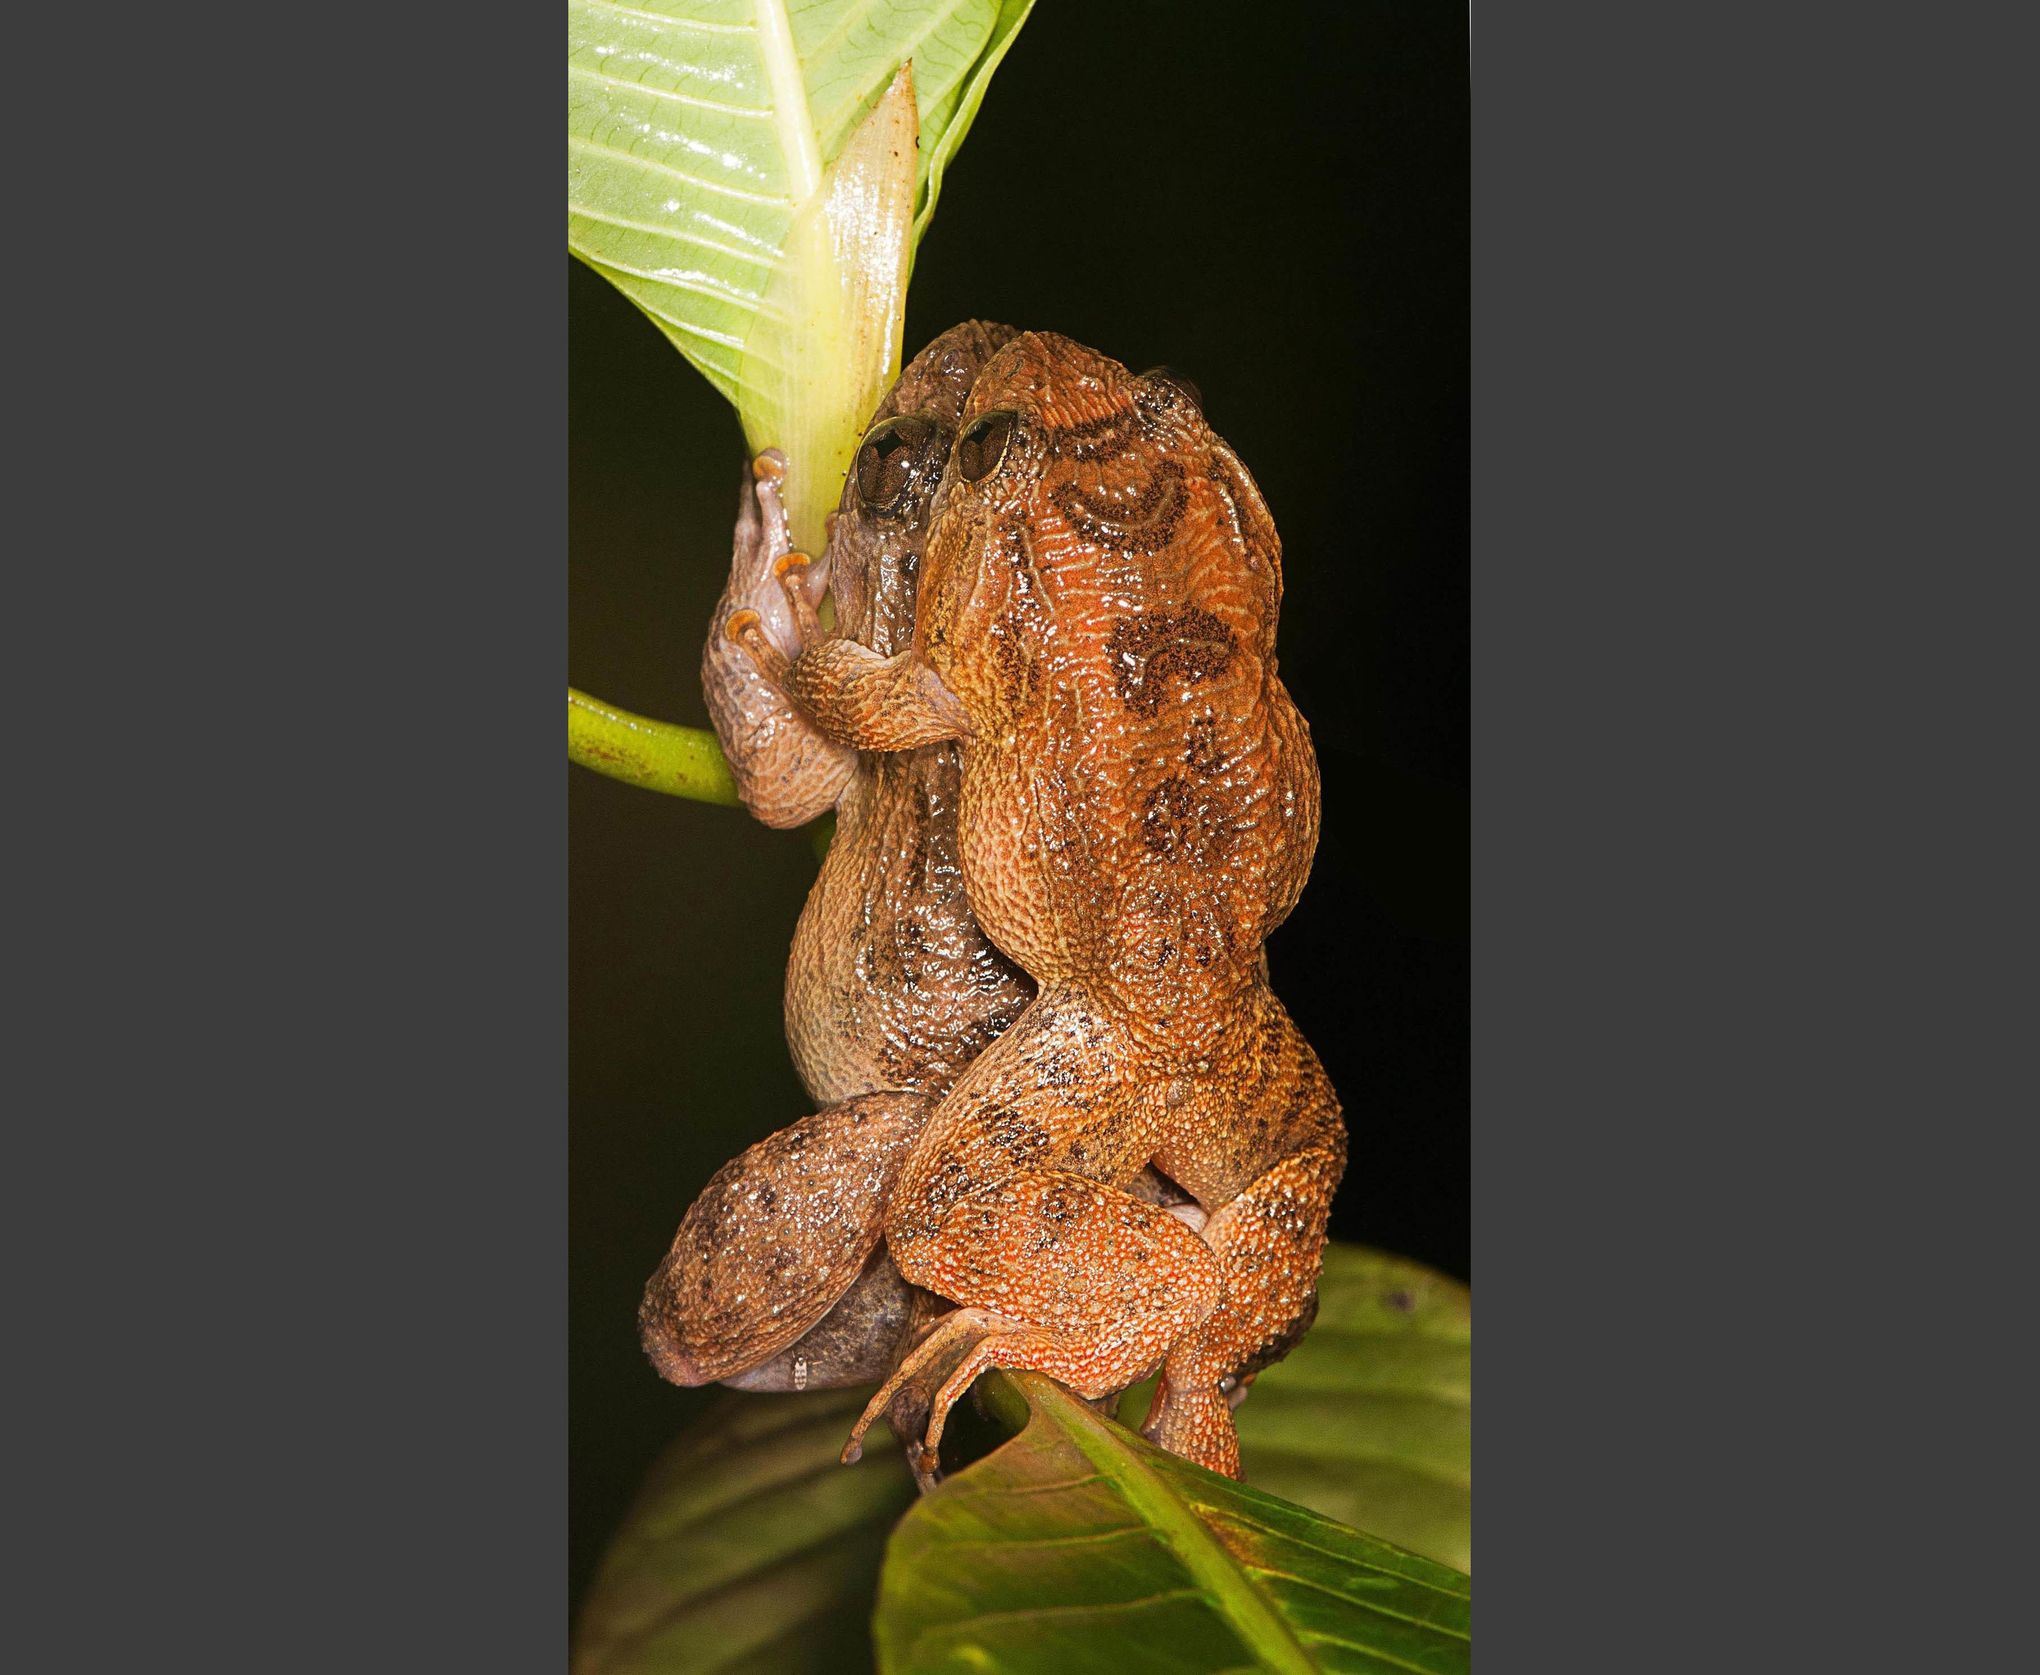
[
  {"x": 1053, "y": 1272},
  {"x": 777, "y": 1238},
  {"x": 1001, "y": 1209},
  {"x": 1111, "y": 1281},
  {"x": 1052, "y": 1092}
]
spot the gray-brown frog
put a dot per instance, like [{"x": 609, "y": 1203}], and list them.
[{"x": 778, "y": 1279}]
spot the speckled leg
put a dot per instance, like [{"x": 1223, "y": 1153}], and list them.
[
  {"x": 1058, "y": 1274},
  {"x": 1270, "y": 1245},
  {"x": 777, "y": 1239},
  {"x": 786, "y": 770},
  {"x": 1262, "y": 1144},
  {"x": 1005, "y": 1207}
]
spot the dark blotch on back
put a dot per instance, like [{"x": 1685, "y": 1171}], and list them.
[
  {"x": 1182, "y": 821},
  {"x": 1148, "y": 648},
  {"x": 1145, "y": 524}
]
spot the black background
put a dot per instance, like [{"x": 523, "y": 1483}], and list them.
[{"x": 1284, "y": 222}]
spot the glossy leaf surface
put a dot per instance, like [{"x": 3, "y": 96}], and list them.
[
  {"x": 1077, "y": 1547},
  {"x": 1369, "y": 1420},
  {"x": 738, "y": 169}
]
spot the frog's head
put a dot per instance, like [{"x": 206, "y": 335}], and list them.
[
  {"x": 880, "y": 528},
  {"x": 1092, "y": 536}
]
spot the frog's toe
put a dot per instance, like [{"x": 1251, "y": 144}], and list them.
[
  {"x": 747, "y": 629},
  {"x": 801, "y": 579},
  {"x": 915, "y": 1401}
]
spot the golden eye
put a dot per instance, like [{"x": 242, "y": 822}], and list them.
[
  {"x": 982, "y": 445},
  {"x": 891, "y": 459}
]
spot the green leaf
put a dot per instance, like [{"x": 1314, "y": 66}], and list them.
[
  {"x": 1369, "y": 1420},
  {"x": 750, "y": 1548},
  {"x": 1078, "y": 1547},
  {"x": 744, "y": 171}
]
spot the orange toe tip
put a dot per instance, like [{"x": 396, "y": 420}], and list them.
[
  {"x": 791, "y": 561},
  {"x": 768, "y": 469},
  {"x": 740, "y": 623}
]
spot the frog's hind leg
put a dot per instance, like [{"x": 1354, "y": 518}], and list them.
[
  {"x": 1270, "y": 1245},
  {"x": 1080, "y": 1281},
  {"x": 1269, "y": 1240},
  {"x": 778, "y": 1239},
  {"x": 1006, "y": 1208}
]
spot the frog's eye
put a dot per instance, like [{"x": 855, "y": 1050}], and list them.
[
  {"x": 890, "y": 459},
  {"x": 982, "y": 445},
  {"x": 1169, "y": 379}
]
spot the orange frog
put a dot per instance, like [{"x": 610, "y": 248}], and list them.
[
  {"x": 1138, "y": 806},
  {"x": 778, "y": 1278}
]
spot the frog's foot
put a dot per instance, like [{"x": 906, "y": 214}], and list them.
[
  {"x": 762, "y": 556},
  {"x": 914, "y": 1385},
  {"x": 787, "y": 771},
  {"x": 916, "y": 1400},
  {"x": 1270, "y": 1245},
  {"x": 1057, "y": 1274},
  {"x": 773, "y": 637}
]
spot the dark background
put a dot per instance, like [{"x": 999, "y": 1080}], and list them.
[{"x": 1282, "y": 218}]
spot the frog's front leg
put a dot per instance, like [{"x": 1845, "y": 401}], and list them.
[
  {"x": 787, "y": 770},
  {"x": 854, "y": 694}
]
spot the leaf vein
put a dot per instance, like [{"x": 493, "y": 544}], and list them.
[
  {"x": 655, "y": 167},
  {"x": 666, "y": 93},
  {"x": 589, "y": 214},
  {"x": 700, "y": 26}
]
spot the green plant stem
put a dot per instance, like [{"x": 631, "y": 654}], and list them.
[{"x": 680, "y": 761}]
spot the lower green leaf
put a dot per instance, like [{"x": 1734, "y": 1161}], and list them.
[
  {"x": 1078, "y": 1547},
  {"x": 750, "y": 1549},
  {"x": 1369, "y": 1420}
]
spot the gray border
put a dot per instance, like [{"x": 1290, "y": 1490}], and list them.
[
  {"x": 288, "y": 1134},
  {"x": 1744, "y": 737}
]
